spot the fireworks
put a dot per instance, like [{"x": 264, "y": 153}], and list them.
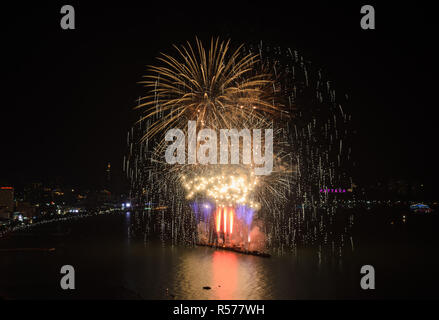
[
  {"x": 224, "y": 190},
  {"x": 246, "y": 88},
  {"x": 215, "y": 88}
]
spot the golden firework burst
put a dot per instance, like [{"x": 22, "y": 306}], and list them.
[{"x": 216, "y": 88}]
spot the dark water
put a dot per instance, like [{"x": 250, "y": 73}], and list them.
[{"x": 111, "y": 265}]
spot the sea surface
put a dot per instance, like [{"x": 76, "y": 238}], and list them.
[{"x": 109, "y": 264}]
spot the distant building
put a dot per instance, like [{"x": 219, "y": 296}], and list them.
[
  {"x": 33, "y": 192},
  {"x": 26, "y": 209},
  {"x": 6, "y": 201}
]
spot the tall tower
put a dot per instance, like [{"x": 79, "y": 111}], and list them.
[{"x": 108, "y": 176}]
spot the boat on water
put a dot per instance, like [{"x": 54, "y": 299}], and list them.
[{"x": 236, "y": 249}]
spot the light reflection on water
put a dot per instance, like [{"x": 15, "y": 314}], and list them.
[
  {"x": 163, "y": 271},
  {"x": 158, "y": 271},
  {"x": 111, "y": 263},
  {"x": 229, "y": 276}
]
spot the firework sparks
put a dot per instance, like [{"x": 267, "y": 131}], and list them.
[
  {"x": 216, "y": 88},
  {"x": 224, "y": 190}
]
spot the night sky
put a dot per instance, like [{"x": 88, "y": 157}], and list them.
[{"x": 67, "y": 95}]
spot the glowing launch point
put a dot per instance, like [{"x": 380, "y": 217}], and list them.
[
  {"x": 228, "y": 214},
  {"x": 225, "y": 226}
]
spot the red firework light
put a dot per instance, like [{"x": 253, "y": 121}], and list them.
[{"x": 224, "y": 219}]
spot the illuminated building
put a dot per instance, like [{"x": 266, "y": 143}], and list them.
[
  {"x": 6, "y": 201},
  {"x": 420, "y": 208}
]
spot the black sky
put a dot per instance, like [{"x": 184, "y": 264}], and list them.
[{"x": 67, "y": 95}]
